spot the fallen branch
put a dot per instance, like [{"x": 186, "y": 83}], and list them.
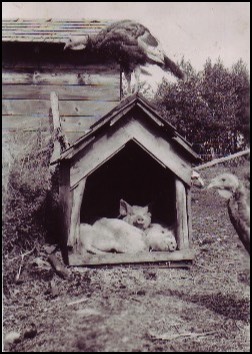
[
  {"x": 17, "y": 277},
  {"x": 167, "y": 336},
  {"x": 24, "y": 254},
  {"x": 221, "y": 160},
  {"x": 77, "y": 302}
]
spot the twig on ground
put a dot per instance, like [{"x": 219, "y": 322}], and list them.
[
  {"x": 22, "y": 255},
  {"x": 77, "y": 302},
  {"x": 168, "y": 336},
  {"x": 21, "y": 263},
  {"x": 19, "y": 270}
]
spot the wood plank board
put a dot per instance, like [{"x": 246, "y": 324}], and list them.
[
  {"x": 66, "y": 108},
  {"x": 77, "y": 195},
  {"x": 24, "y": 122},
  {"x": 25, "y": 66},
  {"x": 69, "y": 92},
  {"x": 44, "y": 21},
  {"x": 96, "y": 154},
  {"x": 163, "y": 150},
  {"x": 75, "y": 124},
  {"x": 73, "y": 136},
  {"x": 44, "y": 30},
  {"x": 182, "y": 217},
  {"x": 70, "y": 76},
  {"x": 65, "y": 197},
  {"x": 123, "y": 258}
]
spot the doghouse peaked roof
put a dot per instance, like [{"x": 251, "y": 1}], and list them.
[
  {"x": 118, "y": 113},
  {"x": 134, "y": 119}
]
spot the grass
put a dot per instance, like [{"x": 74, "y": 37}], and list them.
[{"x": 131, "y": 308}]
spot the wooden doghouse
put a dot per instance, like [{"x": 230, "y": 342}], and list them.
[
  {"x": 34, "y": 64},
  {"x": 134, "y": 154}
]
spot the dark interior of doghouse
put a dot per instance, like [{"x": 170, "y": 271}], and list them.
[{"x": 133, "y": 175}]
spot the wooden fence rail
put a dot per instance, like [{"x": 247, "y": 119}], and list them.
[{"x": 221, "y": 160}]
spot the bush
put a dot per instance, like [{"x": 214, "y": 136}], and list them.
[{"x": 28, "y": 183}]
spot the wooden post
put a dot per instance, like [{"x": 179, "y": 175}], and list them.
[
  {"x": 54, "y": 120},
  {"x": 65, "y": 207},
  {"x": 181, "y": 207},
  {"x": 59, "y": 138},
  {"x": 78, "y": 192},
  {"x": 189, "y": 213},
  {"x": 121, "y": 88}
]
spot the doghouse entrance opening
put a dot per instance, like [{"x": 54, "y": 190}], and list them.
[{"x": 133, "y": 175}]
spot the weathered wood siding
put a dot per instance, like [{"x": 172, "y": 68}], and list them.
[
  {"x": 86, "y": 93},
  {"x": 49, "y": 30}
]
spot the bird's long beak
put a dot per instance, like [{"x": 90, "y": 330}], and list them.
[
  {"x": 201, "y": 183},
  {"x": 222, "y": 192},
  {"x": 66, "y": 46},
  {"x": 196, "y": 180}
]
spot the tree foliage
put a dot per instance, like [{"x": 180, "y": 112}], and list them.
[{"x": 210, "y": 107}]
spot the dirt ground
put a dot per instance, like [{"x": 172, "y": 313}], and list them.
[{"x": 143, "y": 308}]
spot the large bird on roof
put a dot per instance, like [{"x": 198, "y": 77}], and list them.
[
  {"x": 229, "y": 187},
  {"x": 128, "y": 43}
]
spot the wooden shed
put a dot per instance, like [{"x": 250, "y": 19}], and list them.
[
  {"x": 34, "y": 64},
  {"x": 118, "y": 149},
  {"x": 134, "y": 154}
]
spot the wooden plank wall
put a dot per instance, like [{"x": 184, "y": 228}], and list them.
[
  {"x": 86, "y": 93},
  {"x": 49, "y": 30}
]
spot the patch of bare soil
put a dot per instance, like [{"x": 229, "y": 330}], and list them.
[{"x": 140, "y": 308}]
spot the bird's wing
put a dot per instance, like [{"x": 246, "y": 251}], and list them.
[
  {"x": 173, "y": 68},
  {"x": 156, "y": 54},
  {"x": 148, "y": 39},
  {"x": 152, "y": 47},
  {"x": 119, "y": 41},
  {"x": 240, "y": 219},
  {"x": 125, "y": 32}
]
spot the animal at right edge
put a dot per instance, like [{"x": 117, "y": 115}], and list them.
[{"x": 230, "y": 188}]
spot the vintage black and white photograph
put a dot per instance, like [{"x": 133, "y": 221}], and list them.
[{"x": 126, "y": 177}]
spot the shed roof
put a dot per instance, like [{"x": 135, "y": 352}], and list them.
[
  {"x": 118, "y": 113},
  {"x": 49, "y": 30}
]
